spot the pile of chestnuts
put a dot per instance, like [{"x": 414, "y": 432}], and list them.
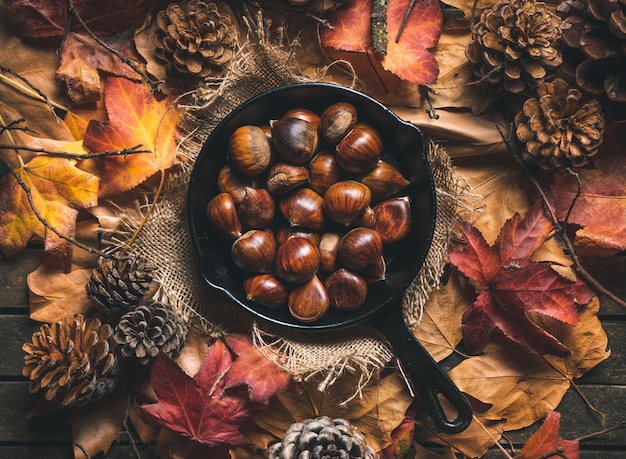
[{"x": 309, "y": 204}]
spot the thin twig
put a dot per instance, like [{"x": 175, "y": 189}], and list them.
[
  {"x": 472, "y": 18},
  {"x": 154, "y": 85},
  {"x": 68, "y": 155},
  {"x": 592, "y": 281},
  {"x": 426, "y": 91},
  {"x": 14, "y": 126},
  {"x": 579, "y": 191},
  {"x": 405, "y": 19},
  {"x": 126, "y": 429},
  {"x": 621, "y": 425},
  {"x": 32, "y": 87}
]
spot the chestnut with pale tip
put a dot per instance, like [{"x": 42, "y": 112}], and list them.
[
  {"x": 337, "y": 120},
  {"x": 344, "y": 201},
  {"x": 267, "y": 290},
  {"x": 221, "y": 213},
  {"x": 308, "y": 301},
  {"x": 297, "y": 260},
  {"x": 249, "y": 150},
  {"x": 360, "y": 149},
  {"x": 284, "y": 177},
  {"x": 254, "y": 251},
  {"x": 304, "y": 208}
]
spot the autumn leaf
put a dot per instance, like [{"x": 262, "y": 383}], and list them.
[
  {"x": 82, "y": 58},
  {"x": 547, "y": 440},
  {"x": 401, "y": 441},
  {"x": 57, "y": 189},
  {"x": 136, "y": 117},
  {"x": 198, "y": 408},
  {"x": 511, "y": 286},
  {"x": 408, "y": 58},
  {"x": 599, "y": 210},
  {"x": 263, "y": 377}
]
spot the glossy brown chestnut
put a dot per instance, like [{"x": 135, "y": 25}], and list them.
[
  {"x": 234, "y": 183},
  {"x": 360, "y": 149},
  {"x": 297, "y": 260},
  {"x": 285, "y": 232},
  {"x": 249, "y": 151},
  {"x": 376, "y": 272},
  {"x": 303, "y": 207},
  {"x": 254, "y": 251},
  {"x": 367, "y": 218},
  {"x": 324, "y": 170},
  {"x": 309, "y": 301},
  {"x": 346, "y": 290},
  {"x": 267, "y": 290},
  {"x": 329, "y": 246},
  {"x": 383, "y": 180},
  {"x": 283, "y": 178},
  {"x": 393, "y": 219},
  {"x": 337, "y": 120},
  {"x": 304, "y": 114},
  {"x": 295, "y": 139},
  {"x": 344, "y": 201},
  {"x": 222, "y": 214},
  {"x": 359, "y": 248},
  {"x": 257, "y": 208}
]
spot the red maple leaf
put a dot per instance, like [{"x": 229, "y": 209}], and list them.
[
  {"x": 511, "y": 285},
  {"x": 198, "y": 408},
  {"x": 262, "y": 376},
  {"x": 547, "y": 440},
  {"x": 408, "y": 58}
]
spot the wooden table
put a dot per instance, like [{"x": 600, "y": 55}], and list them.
[{"x": 50, "y": 437}]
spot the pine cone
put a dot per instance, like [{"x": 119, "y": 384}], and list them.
[
  {"x": 71, "y": 361},
  {"x": 118, "y": 285},
  {"x": 558, "y": 129},
  {"x": 322, "y": 438},
  {"x": 148, "y": 329},
  {"x": 596, "y": 32},
  {"x": 193, "y": 38},
  {"x": 514, "y": 45}
]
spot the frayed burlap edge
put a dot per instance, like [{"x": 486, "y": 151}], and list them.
[{"x": 164, "y": 239}]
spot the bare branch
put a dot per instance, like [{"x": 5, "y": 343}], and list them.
[
  {"x": 34, "y": 88},
  {"x": 15, "y": 126},
  {"x": 65, "y": 154}
]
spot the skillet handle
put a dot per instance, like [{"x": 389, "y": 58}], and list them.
[{"x": 426, "y": 376}]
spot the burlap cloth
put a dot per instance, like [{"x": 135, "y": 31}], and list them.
[{"x": 166, "y": 241}]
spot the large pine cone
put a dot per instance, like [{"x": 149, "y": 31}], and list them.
[
  {"x": 514, "y": 45},
  {"x": 148, "y": 329},
  {"x": 596, "y": 32},
  {"x": 558, "y": 129},
  {"x": 322, "y": 438},
  {"x": 118, "y": 285},
  {"x": 193, "y": 38},
  {"x": 72, "y": 361}
]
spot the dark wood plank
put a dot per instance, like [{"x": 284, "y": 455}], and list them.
[
  {"x": 64, "y": 451},
  {"x": 15, "y": 330},
  {"x": 13, "y": 273},
  {"x": 612, "y": 370}
]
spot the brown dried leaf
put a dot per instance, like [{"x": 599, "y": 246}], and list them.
[
  {"x": 440, "y": 329},
  {"x": 194, "y": 352},
  {"x": 476, "y": 439}
]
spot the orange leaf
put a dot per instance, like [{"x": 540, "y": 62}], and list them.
[
  {"x": 350, "y": 28},
  {"x": 409, "y": 58},
  {"x": 57, "y": 190},
  {"x": 135, "y": 117},
  {"x": 547, "y": 440}
]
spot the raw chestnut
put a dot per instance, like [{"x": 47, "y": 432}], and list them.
[
  {"x": 324, "y": 170},
  {"x": 222, "y": 214},
  {"x": 303, "y": 208},
  {"x": 346, "y": 290},
  {"x": 297, "y": 260},
  {"x": 285, "y": 232},
  {"x": 359, "y": 248},
  {"x": 283, "y": 178},
  {"x": 376, "y": 272},
  {"x": 249, "y": 151},
  {"x": 383, "y": 180},
  {"x": 393, "y": 219},
  {"x": 367, "y": 218},
  {"x": 257, "y": 208},
  {"x": 254, "y": 251},
  {"x": 337, "y": 120},
  {"x": 267, "y": 290},
  {"x": 304, "y": 114},
  {"x": 309, "y": 301},
  {"x": 295, "y": 139},
  {"x": 360, "y": 149},
  {"x": 344, "y": 201},
  {"x": 329, "y": 246},
  {"x": 234, "y": 183}
]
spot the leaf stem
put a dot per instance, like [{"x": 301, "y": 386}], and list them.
[
  {"x": 595, "y": 284},
  {"x": 68, "y": 155},
  {"x": 497, "y": 443},
  {"x": 621, "y": 425}
]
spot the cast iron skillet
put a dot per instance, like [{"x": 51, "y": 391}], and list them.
[{"x": 404, "y": 147}]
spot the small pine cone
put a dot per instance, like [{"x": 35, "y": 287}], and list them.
[
  {"x": 558, "y": 129},
  {"x": 595, "y": 32},
  {"x": 322, "y": 438},
  {"x": 71, "y": 361},
  {"x": 514, "y": 45},
  {"x": 149, "y": 329},
  {"x": 193, "y": 38},
  {"x": 119, "y": 285}
]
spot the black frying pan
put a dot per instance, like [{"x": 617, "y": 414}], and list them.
[{"x": 404, "y": 147}]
